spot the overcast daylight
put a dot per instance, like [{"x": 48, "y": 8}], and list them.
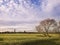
[
  {"x": 29, "y": 22},
  {"x": 26, "y": 14}
]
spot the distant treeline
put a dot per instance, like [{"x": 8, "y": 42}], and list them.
[{"x": 28, "y": 32}]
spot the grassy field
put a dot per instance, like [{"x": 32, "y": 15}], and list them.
[{"x": 29, "y": 39}]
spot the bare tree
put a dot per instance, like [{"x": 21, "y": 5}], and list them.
[
  {"x": 57, "y": 28},
  {"x": 45, "y": 25},
  {"x": 38, "y": 28}
]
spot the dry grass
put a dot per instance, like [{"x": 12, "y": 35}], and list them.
[{"x": 29, "y": 39}]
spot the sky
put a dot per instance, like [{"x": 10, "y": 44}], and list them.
[{"x": 26, "y": 14}]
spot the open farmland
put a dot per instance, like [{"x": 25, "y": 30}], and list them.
[{"x": 29, "y": 39}]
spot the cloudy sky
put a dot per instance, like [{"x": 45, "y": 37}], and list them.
[{"x": 26, "y": 14}]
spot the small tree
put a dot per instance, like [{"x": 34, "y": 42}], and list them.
[
  {"x": 14, "y": 30},
  {"x": 45, "y": 25},
  {"x": 58, "y": 26}
]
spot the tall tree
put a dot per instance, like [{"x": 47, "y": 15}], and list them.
[{"x": 46, "y": 24}]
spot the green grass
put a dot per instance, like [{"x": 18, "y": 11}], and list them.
[{"x": 29, "y": 39}]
